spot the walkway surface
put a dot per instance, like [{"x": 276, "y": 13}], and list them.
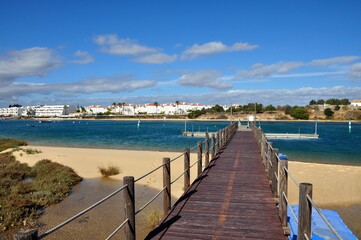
[{"x": 232, "y": 199}]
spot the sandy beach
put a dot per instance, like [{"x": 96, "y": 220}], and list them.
[
  {"x": 334, "y": 186},
  {"x": 85, "y": 161}
]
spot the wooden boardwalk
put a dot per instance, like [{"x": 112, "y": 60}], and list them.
[{"x": 232, "y": 199}]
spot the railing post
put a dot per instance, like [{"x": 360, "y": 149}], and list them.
[
  {"x": 206, "y": 158},
  {"x": 269, "y": 153},
  {"x": 213, "y": 146},
  {"x": 223, "y": 137},
  {"x": 129, "y": 207},
  {"x": 186, "y": 169},
  {"x": 263, "y": 149},
  {"x": 217, "y": 150},
  {"x": 199, "y": 159},
  {"x": 283, "y": 189},
  {"x": 274, "y": 172},
  {"x": 166, "y": 184},
  {"x": 28, "y": 234},
  {"x": 304, "y": 211}
]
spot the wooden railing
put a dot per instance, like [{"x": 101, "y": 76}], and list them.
[
  {"x": 217, "y": 142},
  {"x": 278, "y": 175}
]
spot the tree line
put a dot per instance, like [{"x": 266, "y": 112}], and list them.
[{"x": 331, "y": 101}]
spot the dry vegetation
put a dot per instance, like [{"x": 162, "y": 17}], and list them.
[{"x": 109, "y": 171}]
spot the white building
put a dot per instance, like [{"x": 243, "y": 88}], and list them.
[
  {"x": 12, "y": 112},
  {"x": 356, "y": 103},
  {"x": 53, "y": 110},
  {"x": 95, "y": 109}
]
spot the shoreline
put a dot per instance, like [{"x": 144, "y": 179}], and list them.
[{"x": 180, "y": 119}]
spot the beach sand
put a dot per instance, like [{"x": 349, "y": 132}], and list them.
[
  {"x": 85, "y": 161},
  {"x": 334, "y": 186}
]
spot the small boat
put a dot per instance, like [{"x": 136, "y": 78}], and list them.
[{"x": 45, "y": 121}]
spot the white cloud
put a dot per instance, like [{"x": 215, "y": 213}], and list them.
[
  {"x": 156, "y": 58},
  {"x": 112, "y": 85},
  {"x": 334, "y": 60},
  {"x": 112, "y": 45},
  {"x": 84, "y": 56},
  {"x": 260, "y": 71},
  {"x": 301, "y": 96},
  {"x": 88, "y": 86},
  {"x": 206, "y": 78},
  {"x": 281, "y": 69},
  {"x": 36, "y": 61},
  {"x": 213, "y": 48},
  {"x": 310, "y": 74},
  {"x": 355, "y": 70}
]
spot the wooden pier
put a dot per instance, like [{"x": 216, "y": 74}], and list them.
[
  {"x": 290, "y": 136},
  {"x": 197, "y": 134},
  {"x": 231, "y": 199}
]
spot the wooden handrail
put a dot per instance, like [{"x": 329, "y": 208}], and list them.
[{"x": 278, "y": 174}]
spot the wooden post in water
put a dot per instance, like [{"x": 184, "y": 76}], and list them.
[
  {"x": 129, "y": 206},
  {"x": 274, "y": 172},
  {"x": 213, "y": 146},
  {"x": 199, "y": 157},
  {"x": 206, "y": 157},
  {"x": 186, "y": 169},
  {"x": 283, "y": 183},
  {"x": 304, "y": 211},
  {"x": 28, "y": 234},
  {"x": 166, "y": 184}
]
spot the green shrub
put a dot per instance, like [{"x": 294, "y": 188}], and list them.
[
  {"x": 31, "y": 151},
  {"x": 109, "y": 171},
  {"x": 6, "y": 143},
  {"x": 25, "y": 191},
  {"x": 53, "y": 181}
]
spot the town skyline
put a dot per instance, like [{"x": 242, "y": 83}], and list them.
[{"x": 282, "y": 53}]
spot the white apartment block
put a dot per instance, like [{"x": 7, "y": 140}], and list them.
[
  {"x": 12, "y": 112},
  {"x": 53, "y": 110}
]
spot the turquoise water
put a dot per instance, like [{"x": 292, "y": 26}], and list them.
[{"x": 335, "y": 145}]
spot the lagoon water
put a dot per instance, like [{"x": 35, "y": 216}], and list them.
[{"x": 336, "y": 144}]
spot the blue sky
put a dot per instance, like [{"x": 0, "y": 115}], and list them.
[{"x": 226, "y": 52}]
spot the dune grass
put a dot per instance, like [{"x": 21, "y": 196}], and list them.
[
  {"x": 109, "y": 171},
  {"x": 152, "y": 218}
]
